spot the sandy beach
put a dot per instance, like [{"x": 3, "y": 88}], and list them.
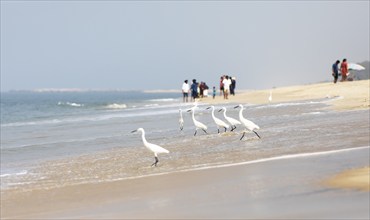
[
  {"x": 319, "y": 184},
  {"x": 351, "y": 95},
  {"x": 289, "y": 188}
]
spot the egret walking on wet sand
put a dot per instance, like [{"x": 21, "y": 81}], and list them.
[
  {"x": 247, "y": 123},
  {"x": 270, "y": 97},
  {"x": 198, "y": 124},
  {"x": 218, "y": 121},
  {"x": 152, "y": 147},
  {"x": 233, "y": 122},
  {"x": 181, "y": 120}
]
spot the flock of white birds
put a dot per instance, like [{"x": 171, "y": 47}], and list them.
[{"x": 231, "y": 123}]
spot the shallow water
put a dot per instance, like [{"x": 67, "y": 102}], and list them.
[{"x": 96, "y": 145}]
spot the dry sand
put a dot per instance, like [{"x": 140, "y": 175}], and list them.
[
  {"x": 351, "y": 95},
  {"x": 352, "y": 179}
]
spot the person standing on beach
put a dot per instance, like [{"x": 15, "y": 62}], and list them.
[
  {"x": 232, "y": 86},
  {"x": 221, "y": 85},
  {"x": 201, "y": 89},
  {"x": 335, "y": 70},
  {"x": 185, "y": 91},
  {"x": 344, "y": 70},
  {"x": 226, "y": 82},
  {"x": 194, "y": 90},
  {"x": 214, "y": 92}
]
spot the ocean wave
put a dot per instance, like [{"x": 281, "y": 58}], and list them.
[
  {"x": 151, "y": 105},
  {"x": 73, "y": 104},
  {"x": 116, "y": 106},
  {"x": 23, "y": 172},
  {"x": 163, "y": 100},
  {"x": 15, "y": 124},
  {"x": 133, "y": 113},
  {"x": 288, "y": 104}
]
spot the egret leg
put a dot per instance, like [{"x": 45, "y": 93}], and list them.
[
  {"x": 218, "y": 130},
  {"x": 205, "y": 131},
  {"x": 257, "y": 135},
  {"x": 225, "y": 129},
  {"x": 156, "y": 161},
  {"x": 195, "y": 133},
  {"x": 242, "y": 136}
]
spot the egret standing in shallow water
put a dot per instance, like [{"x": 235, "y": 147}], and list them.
[
  {"x": 218, "y": 121},
  {"x": 233, "y": 122},
  {"x": 270, "y": 97},
  {"x": 247, "y": 123},
  {"x": 198, "y": 124},
  {"x": 152, "y": 147},
  {"x": 181, "y": 120}
]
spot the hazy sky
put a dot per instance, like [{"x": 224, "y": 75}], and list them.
[{"x": 158, "y": 44}]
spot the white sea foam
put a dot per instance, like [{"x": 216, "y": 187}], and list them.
[
  {"x": 152, "y": 105},
  {"x": 30, "y": 123},
  {"x": 23, "y": 172},
  {"x": 73, "y": 104},
  {"x": 278, "y": 105},
  {"x": 313, "y": 113},
  {"x": 116, "y": 106},
  {"x": 163, "y": 100}
]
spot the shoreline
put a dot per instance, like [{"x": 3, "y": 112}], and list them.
[
  {"x": 222, "y": 192},
  {"x": 353, "y": 95}
]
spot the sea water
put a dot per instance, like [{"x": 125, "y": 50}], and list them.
[{"x": 51, "y": 139}]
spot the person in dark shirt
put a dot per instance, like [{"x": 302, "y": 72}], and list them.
[
  {"x": 335, "y": 70},
  {"x": 194, "y": 89}
]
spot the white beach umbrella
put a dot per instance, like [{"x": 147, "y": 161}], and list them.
[{"x": 355, "y": 66}]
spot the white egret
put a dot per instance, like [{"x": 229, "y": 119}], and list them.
[
  {"x": 270, "y": 97},
  {"x": 233, "y": 122},
  {"x": 198, "y": 124},
  {"x": 218, "y": 121},
  {"x": 247, "y": 123},
  {"x": 152, "y": 147},
  {"x": 181, "y": 120}
]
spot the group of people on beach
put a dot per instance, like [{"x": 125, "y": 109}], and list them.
[
  {"x": 227, "y": 85},
  {"x": 197, "y": 90},
  {"x": 200, "y": 90},
  {"x": 341, "y": 69}
]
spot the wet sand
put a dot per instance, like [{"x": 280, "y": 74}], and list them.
[{"x": 284, "y": 187}]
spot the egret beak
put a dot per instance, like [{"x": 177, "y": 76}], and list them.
[
  {"x": 219, "y": 110},
  {"x": 188, "y": 110},
  {"x": 236, "y": 106},
  {"x": 208, "y": 108},
  {"x": 133, "y": 131}
]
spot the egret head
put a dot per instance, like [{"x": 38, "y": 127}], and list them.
[
  {"x": 191, "y": 109},
  {"x": 240, "y": 105},
  {"x": 139, "y": 129}
]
